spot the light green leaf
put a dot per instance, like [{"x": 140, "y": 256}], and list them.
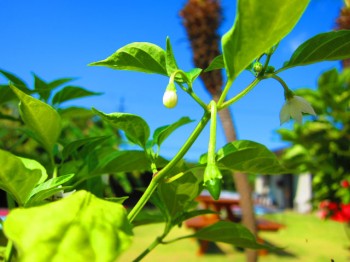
[
  {"x": 259, "y": 25},
  {"x": 71, "y": 92},
  {"x": 250, "y": 157},
  {"x": 161, "y": 133},
  {"x": 230, "y": 233},
  {"x": 216, "y": 63},
  {"x": 191, "y": 75},
  {"x": 43, "y": 188},
  {"x": 80, "y": 228},
  {"x": 323, "y": 47},
  {"x": 32, "y": 164},
  {"x": 139, "y": 56},
  {"x": 136, "y": 129},
  {"x": 41, "y": 119},
  {"x": 16, "y": 178},
  {"x": 171, "y": 64}
]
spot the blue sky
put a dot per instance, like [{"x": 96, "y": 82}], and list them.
[{"x": 59, "y": 38}]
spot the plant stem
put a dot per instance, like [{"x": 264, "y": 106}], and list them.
[
  {"x": 240, "y": 95},
  {"x": 212, "y": 138},
  {"x": 224, "y": 93},
  {"x": 158, "y": 177},
  {"x": 8, "y": 251}
]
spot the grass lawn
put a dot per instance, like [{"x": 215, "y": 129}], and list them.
[{"x": 305, "y": 238}]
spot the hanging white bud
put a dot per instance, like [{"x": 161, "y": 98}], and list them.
[{"x": 294, "y": 107}]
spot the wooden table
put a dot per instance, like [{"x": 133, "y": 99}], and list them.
[{"x": 225, "y": 204}]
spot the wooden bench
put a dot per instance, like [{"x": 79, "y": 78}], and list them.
[{"x": 199, "y": 222}]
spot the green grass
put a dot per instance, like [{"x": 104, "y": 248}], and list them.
[{"x": 305, "y": 238}]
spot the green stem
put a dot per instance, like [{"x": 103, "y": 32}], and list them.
[
  {"x": 224, "y": 93},
  {"x": 287, "y": 92},
  {"x": 194, "y": 96},
  {"x": 9, "y": 251},
  {"x": 240, "y": 95},
  {"x": 158, "y": 177},
  {"x": 212, "y": 138}
]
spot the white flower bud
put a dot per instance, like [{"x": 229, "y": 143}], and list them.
[{"x": 170, "y": 98}]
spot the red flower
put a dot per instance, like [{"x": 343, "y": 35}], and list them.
[{"x": 345, "y": 183}]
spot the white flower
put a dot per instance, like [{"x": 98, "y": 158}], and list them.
[
  {"x": 294, "y": 107},
  {"x": 170, "y": 98}
]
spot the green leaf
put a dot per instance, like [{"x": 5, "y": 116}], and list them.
[
  {"x": 139, "y": 56},
  {"x": 16, "y": 178},
  {"x": 6, "y": 94},
  {"x": 123, "y": 161},
  {"x": 136, "y": 129},
  {"x": 178, "y": 195},
  {"x": 49, "y": 184},
  {"x": 74, "y": 112},
  {"x": 85, "y": 144},
  {"x": 35, "y": 165},
  {"x": 171, "y": 64},
  {"x": 259, "y": 26},
  {"x": 80, "y": 227},
  {"x": 71, "y": 92},
  {"x": 250, "y": 157},
  {"x": 58, "y": 82},
  {"x": 161, "y": 133},
  {"x": 322, "y": 47},
  {"x": 41, "y": 118},
  {"x": 16, "y": 81},
  {"x": 42, "y": 88},
  {"x": 216, "y": 63},
  {"x": 230, "y": 233}
]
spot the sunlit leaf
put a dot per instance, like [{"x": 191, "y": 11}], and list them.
[
  {"x": 80, "y": 227},
  {"x": 216, "y": 63},
  {"x": 259, "y": 25},
  {"x": 171, "y": 64},
  {"x": 139, "y": 56},
  {"x": 250, "y": 157},
  {"x": 16, "y": 178},
  {"x": 41, "y": 118},
  {"x": 161, "y": 133},
  {"x": 323, "y": 47},
  {"x": 136, "y": 129}
]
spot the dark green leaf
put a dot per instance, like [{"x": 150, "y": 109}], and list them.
[
  {"x": 323, "y": 47},
  {"x": 90, "y": 142},
  {"x": 119, "y": 200},
  {"x": 16, "y": 178},
  {"x": 216, "y": 63},
  {"x": 42, "y": 88},
  {"x": 6, "y": 94},
  {"x": 171, "y": 65},
  {"x": 58, "y": 82},
  {"x": 250, "y": 157},
  {"x": 136, "y": 129},
  {"x": 146, "y": 217},
  {"x": 161, "y": 133},
  {"x": 138, "y": 56},
  {"x": 77, "y": 228},
  {"x": 230, "y": 233},
  {"x": 16, "y": 81},
  {"x": 123, "y": 161},
  {"x": 41, "y": 118},
  {"x": 259, "y": 26},
  {"x": 71, "y": 92}
]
